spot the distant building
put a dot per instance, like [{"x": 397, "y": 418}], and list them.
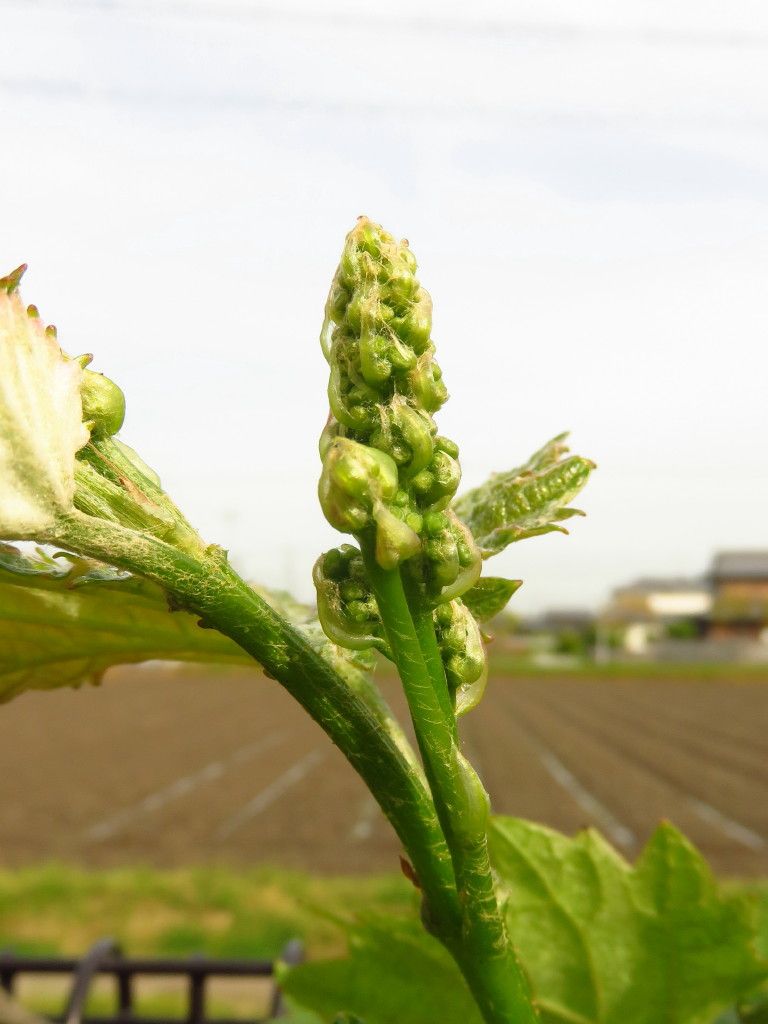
[
  {"x": 647, "y": 611},
  {"x": 739, "y": 582},
  {"x": 559, "y": 633},
  {"x": 559, "y": 619}
]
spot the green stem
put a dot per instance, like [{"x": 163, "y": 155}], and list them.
[
  {"x": 484, "y": 951},
  {"x": 210, "y": 588},
  {"x": 425, "y": 634}
]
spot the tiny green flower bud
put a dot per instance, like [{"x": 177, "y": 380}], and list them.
[
  {"x": 357, "y": 611},
  {"x": 443, "y": 560},
  {"x": 374, "y": 364},
  {"x": 353, "y": 481},
  {"x": 103, "y": 403},
  {"x": 415, "y": 521},
  {"x": 401, "y": 288},
  {"x": 354, "y": 313},
  {"x": 422, "y": 482},
  {"x": 469, "y": 558},
  {"x": 444, "y": 444},
  {"x": 405, "y": 434},
  {"x": 465, "y": 552},
  {"x": 355, "y": 408},
  {"x": 435, "y": 522},
  {"x": 371, "y": 238},
  {"x": 407, "y": 256},
  {"x": 335, "y": 563},
  {"x": 395, "y": 540},
  {"x": 351, "y": 590},
  {"x": 354, "y": 624},
  {"x": 426, "y": 383},
  {"x": 415, "y": 326},
  {"x": 338, "y": 300},
  {"x": 400, "y": 356},
  {"x": 437, "y": 485},
  {"x": 461, "y": 647}
]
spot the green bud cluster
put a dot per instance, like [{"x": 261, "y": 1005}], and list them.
[
  {"x": 383, "y": 390},
  {"x": 461, "y": 648},
  {"x": 359, "y": 489},
  {"x": 387, "y": 473},
  {"x": 346, "y": 606},
  {"x": 451, "y": 561}
]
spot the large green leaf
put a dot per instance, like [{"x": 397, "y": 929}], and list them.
[
  {"x": 395, "y": 974},
  {"x": 65, "y": 620},
  {"x": 607, "y": 943},
  {"x": 601, "y": 941},
  {"x": 527, "y": 501}
]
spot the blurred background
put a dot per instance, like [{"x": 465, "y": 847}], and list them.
[{"x": 585, "y": 187}]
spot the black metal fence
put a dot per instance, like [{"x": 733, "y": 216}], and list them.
[{"x": 106, "y": 958}]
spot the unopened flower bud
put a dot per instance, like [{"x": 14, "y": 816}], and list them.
[
  {"x": 354, "y": 480},
  {"x": 405, "y": 434},
  {"x": 395, "y": 540},
  {"x": 415, "y": 326},
  {"x": 437, "y": 484},
  {"x": 426, "y": 383},
  {"x": 461, "y": 647},
  {"x": 354, "y": 405},
  {"x": 103, "y": 403},
  {"x": 345, "y": 605}
]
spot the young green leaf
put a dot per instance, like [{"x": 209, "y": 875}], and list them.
[
  {"x": 64, "y": 621},
  {"x": 41, "y": 419},
  {"x": 601, "y": 941},
  {"x": 395, "y": 972},
  {"x": 527, "y": 501},
  {"x": 489, "y": 596},
  {"x": 607, "y": 943}
]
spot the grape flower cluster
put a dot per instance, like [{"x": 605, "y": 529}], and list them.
[{"x": 387, "y": 473}]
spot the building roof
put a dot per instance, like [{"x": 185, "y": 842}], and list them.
[
  {"x": 740, "y": 565},
  {"x": 665, "y": 584}
]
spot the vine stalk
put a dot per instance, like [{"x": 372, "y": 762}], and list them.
[
  {"x": 484, "y": 951},
  {"x": 207, "y": 586}
]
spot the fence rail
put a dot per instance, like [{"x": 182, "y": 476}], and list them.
[{"x": 106, "y": 958}]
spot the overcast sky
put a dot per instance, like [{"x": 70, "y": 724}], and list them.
[{"x": 585, "y": 187}]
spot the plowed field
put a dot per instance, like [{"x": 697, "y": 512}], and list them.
[{"x": 163, "y": 767}]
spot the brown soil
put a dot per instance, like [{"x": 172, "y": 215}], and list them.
[{"x": 169, "y": 767}]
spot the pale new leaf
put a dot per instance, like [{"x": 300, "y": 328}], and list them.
[{"x": 527, "y": 501}]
